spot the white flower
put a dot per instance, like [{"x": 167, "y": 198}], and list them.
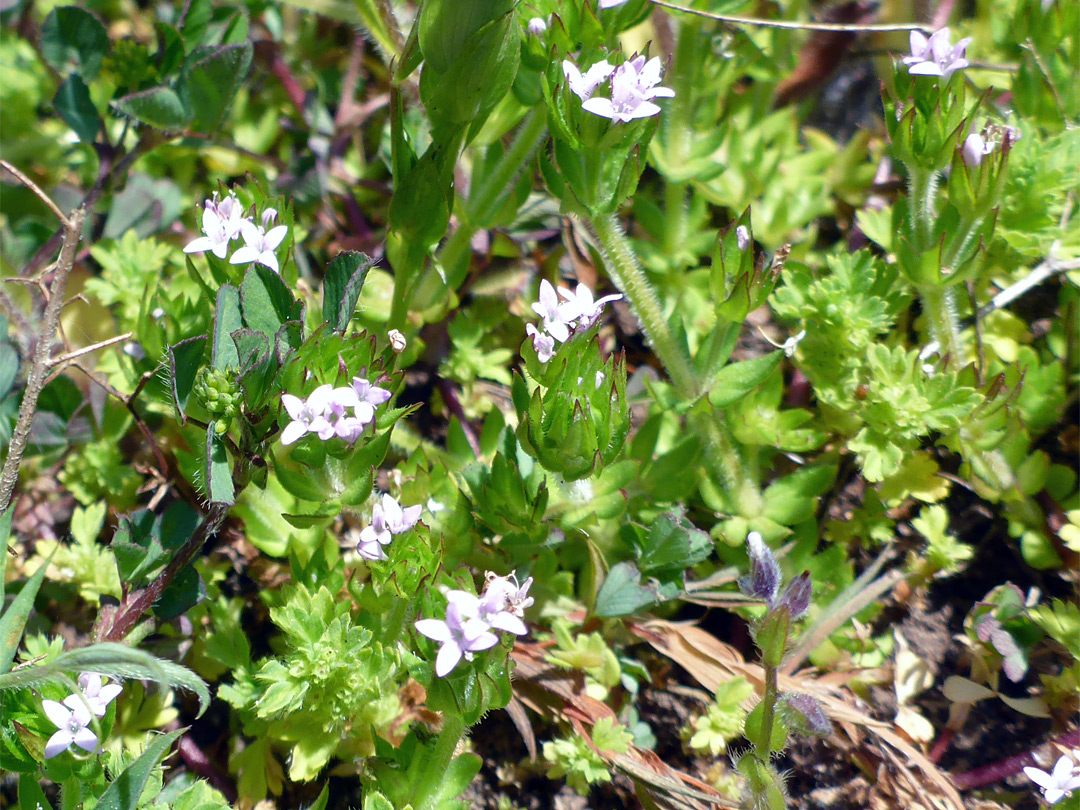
[
  {"x": 537, "y": 26},
  {"x": 936, "y": 56},
  {"x": 549, "y": 308},
  {"x": 975, "y": 149},
  {"x": 543, "y": 343},
  {"x": 387, "y": 519},
  {"x": 309, "y": 416},
  {"x": 742, "y": 237},
  {"x": 633, "y": 86},
  {"x": 72, "y": 718},
  {"x": 1057, "y": 784},
  {"x": 259, "y": 245},
  {"x": 461, "y": 634},
  {"x": 504, "y": 602},
  {"x": 98, "y": 694},
  {"x": 581, "y": 307},
  {"x": 599, "y": 380},
  {"x": 221, "y": 224},
  {"x": 584, "y": 86},
  {"x": 788, "y": 346},
  {"x": 611, "y": 3}
]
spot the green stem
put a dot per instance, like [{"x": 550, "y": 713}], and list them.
[
  {"x": 939, "y": 304},
  {"x": 763, "y": 745},
  {"x": 721, "y": 451},
  {"x": 428, "y": 794},
  {"x": 922, "y": 191},
  {"x": 483, "y": 203}
]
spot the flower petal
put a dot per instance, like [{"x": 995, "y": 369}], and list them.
[
  {"x": 448, "y": 658},
  {"x": 434, "y": 629},
  {"x": 58, "y": 715},
  {"x": 58, "y": 743},
  {"x": 86, "y": 740},
  {"x": 293, "y": 431},
  {"x": 244, "y": 255}
]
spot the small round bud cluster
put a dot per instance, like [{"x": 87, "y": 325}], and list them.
[{"x": 218, "y": 393}]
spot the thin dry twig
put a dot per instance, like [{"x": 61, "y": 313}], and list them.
[
  {"x": 796, "y": 26},
  {"x": 77, "y": 353},
  {"x": 39, "y": 368},
  {"x": 34, "y": 187}
]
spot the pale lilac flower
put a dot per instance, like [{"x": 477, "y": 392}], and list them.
[
  {"x": 387, "y": 519},
  {"x": 260, "y": 244},
  {"x": 309, "y": 416},
  {"x": 98, "y": 694},
  {"x": 581, "y": 307},
  {"x": 373, "y": 395},
  {"x": 537, "y": 26},
  {"x": 936, "y": 56},
  {"x": 72, "y": 718},
  {"x": 503, "y": 603},
  {"x": 543, "y": 343},
  {"x": 742, "y": 237},
  {"x": 1059, "y": 783},
  {"x": 339, "y": 423},
  {"x": 460, "y": 635},
  {"x": 221, "y": 223},
  {"x": 633, "y": 86},
  {"x": 551, "y": 311},
  {"x": 975, "y": 149},
  {"x": 583, "y": 86}
]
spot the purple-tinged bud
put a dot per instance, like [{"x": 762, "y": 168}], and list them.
[
  {"x": 764, "y": 579},
  {"x": 804, "y": 715},
  {"x": 797, "y": 596},
  {"x": 537, "y": 26},
  {"x": 742, "y": 237}
]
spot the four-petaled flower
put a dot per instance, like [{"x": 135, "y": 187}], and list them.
[
  {"x": 71, "y": 718},
  {"x": 260, "y": 244},
  {"x": 309, "y": 416},
  {"x": 98, "y": 694},
  {"x": 583, "y": 86},
  {"x": 581, "y": 307},
  {"x": 633, "y": 86},
  {"x": 936, "y": 56},
  {"x": 221, "y": 223},
  {"x": 461, "y": 634},
  {"x": 387, "y": 519},
  {"x": 1059, "y": 783}
]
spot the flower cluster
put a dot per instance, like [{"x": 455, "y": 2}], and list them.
[
  {"x": 577, "y": 311},
  {"x": 936, "y": 56},
  {"x": 633, "y": 87},
  {"x": 326, "y": 412},
  {"x": 765, "y": 579},
  {"x": 224, "y": 221},
  {"x": 470, "y": 620},
  {"x": 1058, "y": 783},
  {"x": 74, "y": 715},
  {"x": 387, "y": 519}
]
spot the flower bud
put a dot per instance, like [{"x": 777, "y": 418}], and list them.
[
  {"x": 797, "y": 596},
  {"x": 764, "y": 579},
  {"x": 397, "y": 341},
  {"x": 804, "y": 715},
  {"x": 537, "y": 26},
  {"x": 217, "y": 392},
  {"x": 974, "y": 149}
]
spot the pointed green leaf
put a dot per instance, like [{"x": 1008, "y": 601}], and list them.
[
  {"x": 13, "y": 620},
  {"x": 185, "y": 359},
  {"x": 74, "y": 39},
  {"x": 124, "y": 792},
  {"x": 735, "y": 381},
  {"x": 73, "y": 103},
  {"x": 226, "y": 321},
  {"x": 159, "y": 107},
  {"x": 219, "y": 483},
  {"x": 341, "y": 288},
  {"x": 212, "y": 83}
]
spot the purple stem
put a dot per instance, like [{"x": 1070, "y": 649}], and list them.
[{"x": 1003, "y": 769}]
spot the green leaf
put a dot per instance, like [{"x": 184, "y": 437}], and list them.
[
  {"x": 13, "y": 620},
  {"x": 341, "y": 288},
  {"x": 197, "y": 16},
  {"x": 31, "y": 796},
  {"x": 622, "y": 592},
  {"x": 185, "y": 360},
  {"x": 735, "y": 381},
  {"x": 673, "y": 544},
  {"x": 159, "y": 107},
  {"x": 266, "y": 302},
  {"x": 73, "y": 38},
  {"x": 5, "y": 535},
  {"x": 124, "y": 792},
  {"x": 226, "y": 321},
  {"x": 185, "y": 591},
  {"x": 790, "y": 500},
  {"x": 73, "y": 103},
  {"x": 115, "y": 661},
  {"x": 212, "y": 83},
  {"x": 219, "y": 483}
]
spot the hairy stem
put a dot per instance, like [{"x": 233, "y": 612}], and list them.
[
  {"x": 428, "y": 794},
  {"x": 42, "y": 362}
]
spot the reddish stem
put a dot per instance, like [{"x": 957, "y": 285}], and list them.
[{"x": 1003, "y": 769}]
